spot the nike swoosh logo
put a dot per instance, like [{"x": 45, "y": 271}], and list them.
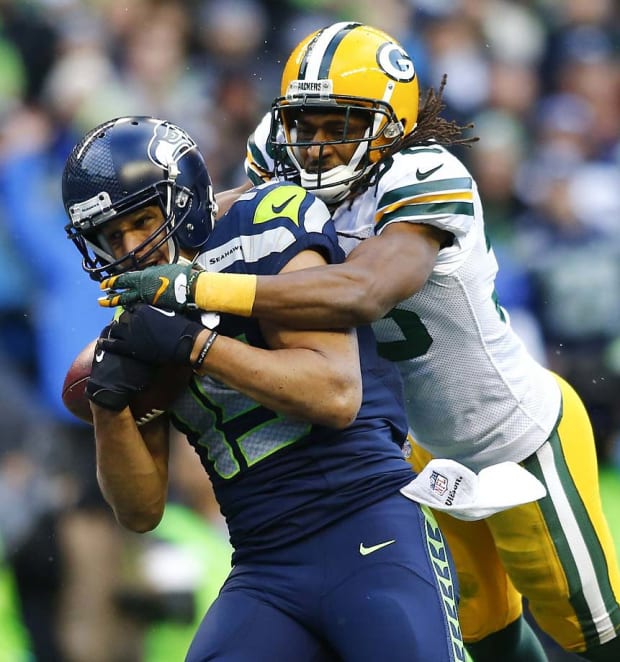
[
  {"x": 99, "y": 355},
  {"x": 427, "y": 173},
  {"x": 364, "y": 551},
  {"x": 276, "y": 209},
  {"x": 162, "y": 288},
  {"x": 167, "y": 313}
]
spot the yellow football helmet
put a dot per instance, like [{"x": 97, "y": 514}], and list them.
[{"x": 354, "y": 68}]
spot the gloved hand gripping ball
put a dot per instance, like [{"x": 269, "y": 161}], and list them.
[
  {"x": 165, "y": 384},
  {"x": 114, "y": 379},
  {"x": 153, "y": 335}
]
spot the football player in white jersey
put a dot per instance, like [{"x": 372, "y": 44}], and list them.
[{"x": 420, "y": 268}]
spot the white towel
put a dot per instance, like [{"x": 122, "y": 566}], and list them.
[{"x": 450, "y": 486}]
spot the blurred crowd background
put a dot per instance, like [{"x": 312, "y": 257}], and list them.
[{"x": 540, "y": 81}]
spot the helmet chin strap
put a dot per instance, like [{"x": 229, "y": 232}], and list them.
[{"x": 335, "y": 184}]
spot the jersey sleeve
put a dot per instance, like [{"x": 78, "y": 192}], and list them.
[
  {"x": 426, "y": 185},
  {"x": 267, "y": 227},
  {"x": 259, "y": 162}
]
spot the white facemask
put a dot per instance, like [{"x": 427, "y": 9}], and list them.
[{"x": 335, "y": 184}]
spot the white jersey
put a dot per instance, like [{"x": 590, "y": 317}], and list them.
[{"x": 473, "y": 393}]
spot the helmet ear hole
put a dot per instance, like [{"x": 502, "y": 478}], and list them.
[{"x": 190, "y": 235}]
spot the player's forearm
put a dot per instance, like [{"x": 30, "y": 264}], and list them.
[
  {"x": 373, "y": 279},
  {"x": 128, "y": 476},
  {"x": 300, "y": 383},
  {"x": 318, "y": 298},
  {"x": 335, "y": 296}
]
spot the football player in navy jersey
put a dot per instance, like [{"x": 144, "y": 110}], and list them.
[
  {"x": 349, "y": 127},
  {"x": 299, "y": 431}
]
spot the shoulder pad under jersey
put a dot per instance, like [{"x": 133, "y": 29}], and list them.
[
  {"x": 259, "y": 163},
  {"x": 426, "y": 185}
]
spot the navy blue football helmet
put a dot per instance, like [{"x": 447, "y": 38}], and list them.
[{"x": 128, "y": 163}]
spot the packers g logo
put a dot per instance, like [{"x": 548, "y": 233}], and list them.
[
  {"x": 396, "y": 64},
  {"x": 168, "y": 144}
]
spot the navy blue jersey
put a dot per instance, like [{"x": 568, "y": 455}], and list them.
[{"x": 278, "y": 479}]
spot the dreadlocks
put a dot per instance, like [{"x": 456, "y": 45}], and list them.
[{"x": 432, "y": 128}]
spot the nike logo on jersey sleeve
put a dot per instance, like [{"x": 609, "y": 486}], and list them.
[
  {"x": 279, "y": 208},
  {"x": 427, "y": 173}
]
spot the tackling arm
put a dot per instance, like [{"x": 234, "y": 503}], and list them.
[{"x": 379, "y": 273}]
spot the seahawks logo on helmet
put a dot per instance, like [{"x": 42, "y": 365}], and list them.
[
  {"x": 168, "y": 145},
  {"x": 395, "y": 62}
]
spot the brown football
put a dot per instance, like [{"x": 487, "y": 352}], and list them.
[{"x": 146, "y": 405}]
